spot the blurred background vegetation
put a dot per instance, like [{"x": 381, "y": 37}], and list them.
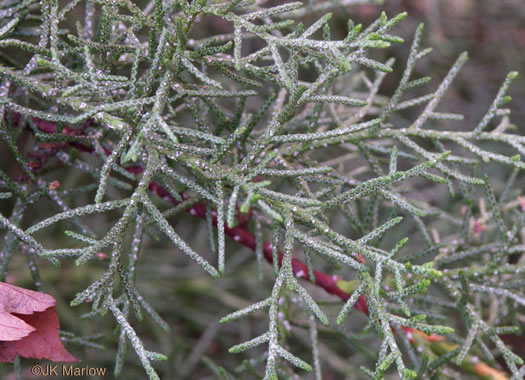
[{"x": 493, "y": 32}]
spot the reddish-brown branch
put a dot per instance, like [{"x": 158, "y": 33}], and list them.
[{"x": 243, "y": 236}]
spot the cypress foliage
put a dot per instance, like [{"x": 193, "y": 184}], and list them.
[{"x": 277, "y": 136}]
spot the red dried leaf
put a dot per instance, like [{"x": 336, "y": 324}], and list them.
[
  {"x": 29, "y": 326},
  {"x": 13, "y": 328}
]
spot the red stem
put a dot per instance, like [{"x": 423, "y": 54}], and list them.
[{"x": 243, "y": 236}]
